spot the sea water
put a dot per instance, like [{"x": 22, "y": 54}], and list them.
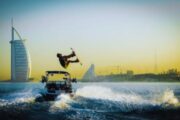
[{"x": 92, "y": 101}]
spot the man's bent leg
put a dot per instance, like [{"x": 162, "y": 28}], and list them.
[
  {"x": 69, "y": 56},
  {"x": 70, "y": 61},
  {"x": 73, "y": 61}
]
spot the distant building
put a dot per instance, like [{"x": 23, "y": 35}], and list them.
[
  {"x": 172, "y": 72},
  {"x": 20, "y": 59},
  {"x": 90, "y": 74},
  {"x": 129, "y": 72}
]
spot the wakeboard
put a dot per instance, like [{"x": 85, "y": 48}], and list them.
[{"x": 76, "y": 56}]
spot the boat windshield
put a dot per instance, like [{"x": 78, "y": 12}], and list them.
[{"x": 56, "y": 85}]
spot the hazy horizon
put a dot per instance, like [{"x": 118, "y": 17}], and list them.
[{"x": 134, "y": 35}]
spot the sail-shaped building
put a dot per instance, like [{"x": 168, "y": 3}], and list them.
[
  {"x": 90, "y": 74},
  {"x": 20, "y": 58}
]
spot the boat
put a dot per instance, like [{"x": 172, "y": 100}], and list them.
[{"x": 54, "y": 88}]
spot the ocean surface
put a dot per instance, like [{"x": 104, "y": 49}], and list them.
[{"x": 92, "y": 101}]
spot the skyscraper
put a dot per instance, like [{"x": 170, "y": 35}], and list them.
[{"x": 20, "y": 59}]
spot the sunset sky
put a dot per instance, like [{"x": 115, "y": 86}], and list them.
[{"x": 106, "y": 33}]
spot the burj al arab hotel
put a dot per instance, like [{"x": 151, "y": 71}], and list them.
[{"x": 20, "y": 59}]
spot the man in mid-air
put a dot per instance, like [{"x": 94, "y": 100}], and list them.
[{"x": 64, "y": 60}]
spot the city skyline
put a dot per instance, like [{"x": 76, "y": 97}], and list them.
[{"x": 126, "y": 34}]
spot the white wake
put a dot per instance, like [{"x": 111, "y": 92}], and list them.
[{"x": 128, "y": 101}]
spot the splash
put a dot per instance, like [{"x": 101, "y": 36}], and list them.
[
  {"x": 113, "y": 100},
  {"x": 25, "y": 96},
  {"x": 17, "y": 101},
  {"x": 127, "y": 101},
  {"x": 168, "y": 98},
  {"x": 98, "y": 92},
  {"x": 61, "y": 103}
]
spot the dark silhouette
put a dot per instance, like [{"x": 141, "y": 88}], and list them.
[{"x": 64, "y": 60}]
